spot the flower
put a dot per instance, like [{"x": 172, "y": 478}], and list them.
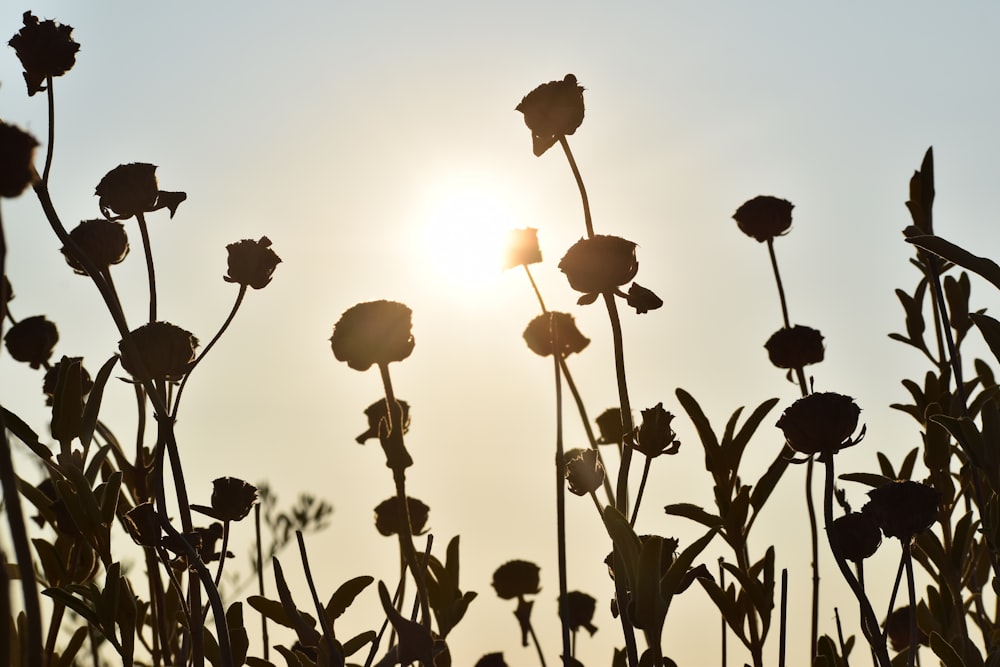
[
  {"x": 232, "y": 499},
  {"x": 522, "y": 248},
  {"x": 576, "y": 609},
  {"x": 642, "y": 299},
  {"x": 143, "y": 525},
  {"x": 32, "y": 340},
  {"x": 655, "y": 435},
  {"x": 795, "y": 347},
  {"x": 251, "y": 262},
  {"x": 45, "y": 48},
  {"x": 51, "y": 378},
  {"x": 103, "y": 242},
  {"x": 855, "y": 536},
  {"x": 897, "y": 627},
  {"x": 390, "y": 519},
  {"x": 599, "y": 264},
  {"x": 903, "y": 508},
  {"x": 539, "y": 332},
  {"x": 376, "y": 332},
  {"x": 609, "y": 423},
  {"x": 158, "y": 351},
  {"x": 552, "y": 110},
  {"x": 130, "y": 189},
  {"x": 821, "y": 423},
  {"x": 376, "y": 414},
  {"x": 764, "y": 217},
  {"x": 584, "y": 471},
  {"x": 491, "y": 660},
  {"x": 515, "y": 579},
  {"x": 17, "y": 152}
]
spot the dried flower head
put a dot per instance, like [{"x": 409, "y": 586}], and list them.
[
  {"x": 643, "y": 299},
  {"x": 375, "y": 332},
  {"x": 391, "y": 520},
  {"x": 539, "y": 332},
  {"x": 822, "y": 423},
  {"x": 764, "y": 217},
  {"x": 129, "y": 189},
  {"x": 376, "y": 413},
  {"x": 897, "y": 627},
  {"x": 903, "y": 508},
  {"x": 599, "y": 264},
  {"x": 17, "y": 153},
  {"x": 52, "y": 378},
  {"x": 521, "y": 248},
  {"x": 576, "y": 609},
  {"x": 855, "y": 536},
  {"x": 103, "y": 242},
  {"x": 515, "y": 579},
  {"x": 162, "y": 350},
  {"x": 143, "y": 525},
  {"x": 552, "y": 110},
  {"x": 251, "y": 263},
  {"x": 655, "y": 435},
  {"x": 609, "y": 425},
  {"x": 45, "y": 48},
  {"x": 796, "y": 347},
  {"x": 32, "y": 340},
  {"x": 232, "y": 499},
  {"x": 584, "y": 471}
]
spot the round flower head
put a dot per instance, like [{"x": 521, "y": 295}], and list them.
[
  {"x": 103, "y": 242},
  {"x": 821, "y": 423},
  {"x": 390, "y": 519},
  {"x": 609, "y": 424},
  {"x": 32, "y": 340},
  {"x": 903, "y": 508},
  {"x": 232, "y": 499},
  {"x": 855, "y": 536},
  {"x": 515, "y": 579},
  {"x": 164, "y": 351},
  {"x": 655, "y": 435},
  {"x": 45, "y": 48},
  {"x": 897, "y": 628},
  {"x": 129, "y": 189},
  {"x": 491, "y": 660},
  {"x": 538, "y": 334},
  {"x": 577, "y": 611},
  {"x": 764, "y": 217},
  {"x": 599, "y": 264},
  {"x": 251, "y": 263},
  {"x": 552, "y": 110},
  {"x": 522, "y": 248},
  {"x": 376, "y": 332},
  {"x": 795, "y": 347},
  {"x": 17, "y": 152},
  {"x": 143, "y": 525},
  {"x": 584, "y": 471}
]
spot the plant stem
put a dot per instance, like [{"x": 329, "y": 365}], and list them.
[
  {"x": 783, "y": 618},
  {"x": 722, "y": 585},
  {"x": 777, "y": 280},
  {"x": 911, "y": 592},
  {"x": 534, "y": 286},
  {"x": 560, "y": 490},
  {"x": 320, "y": 613},
  {"x": 814, "y": 550},
  {"x": 260, "y": 579},
  {"x": 150, "y": 271},
  {"x": 538, "y": 647},
  {"x": 579, "y": 184},
  {"x": 50, "y": 95},
  {"x": 642, "y": 487}
]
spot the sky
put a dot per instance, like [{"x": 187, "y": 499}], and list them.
[{"x": 376, "y": 144}]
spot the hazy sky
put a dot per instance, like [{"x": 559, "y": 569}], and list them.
[{"x": 372, "y": 142}]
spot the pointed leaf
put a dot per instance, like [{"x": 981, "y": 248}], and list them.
[
  {"x": 93, "y": 407},
  {"x": 943, "y": 650},
  {"x": 626, "y": 543},
  {"x": 990, "y": 329},
  {"x": 695, "y": 513},
  {"x": 708, "y": 438},
  {"x": 983, "y": 266},
  {"x": 869, "y": 478},
  {"x": 671, "y": 581},
  {"x": 345, "y": 595},
  {"x": 650, "y": 610},
  {"x": 765, "y": 485},
  {"x": 23, "y": 432},
  {"x": 72, "y": 647}
]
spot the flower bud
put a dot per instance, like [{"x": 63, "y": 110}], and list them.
[
  {"x": 491, "y": 660},
  {"x": 609, "y": 424},
  {"x": 376, "y": 332},
  {"x": 642, "y": 299},
  {"x": 796, "y": 347},
  {"x": 129, "y": 189},
  {"x": 391, "y": 520},
  {"x": 584, "y": 471},
  {"x": 855, "y": 536},
  {"x": 103, "y": 242},
  {"x": 764, "y": 217},
  {"x": 820, "y": 423},
  {"x": 576, "y": 610},
  {"x": 897, "y": 628},
  {"x": 539, "y": 333},
  {"x": 45, "y": 48},
  {"x": 232, "y": 499},
  {"x": 521, "y": 249},
  {"x": 903, "y": 508},
  {"x": 515, "y": 579},
  {"x": 655, "y": 435},
  {"x": 143, "y": 525},
  {"x": 17, "y": 153},
  {"x": 32, "y": 340},
  {"x": 164, "y": 351},
  {"x": 376, "y": 413},
  {"x": 552, "y": 110},
  {"x": 251, "y": 263},
  {"x": 599, "y": 264}
]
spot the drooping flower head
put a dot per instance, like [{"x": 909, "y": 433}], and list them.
[
  {"x": 45, "y": 48},
  {"x": 539, "y": 334},
  {"x": 584, "y": 471},
  {"x": 17, "y": 153},
  {"x": 552, "y": 110},
  {"x": 856, "y": 536},
  {"x": 521, "y": 248},
  {"x": 903, "y": 508},
  {"x": 576, "y": 609},
  {"x": 142, "y": 523},
  {"x": 375, "y": 332},
  {"x": 764, "y": 217},
  {"x": 655, "y": 435},
  {"x": 162, "y": 350},
  {"x": 609, "y": 424},
  {"x": 822, "y": 423},
  {"x": 599, "y": 264},
  {"x": 376, "y": 414},
  {"x": 643, "y": 299},
  {"x": 796, "y": 347},
  {"x": 515, "y": 579},
  {"x": 32, "y": 340},
  {"x": 251, "y": 262},
  {"x": 391, "y": 520},
  {"x": 129, "y": 189},
  {"x": 103, "y": 242}
]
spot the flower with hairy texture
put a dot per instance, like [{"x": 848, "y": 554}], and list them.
[
  {"x": 552, "y": 110},
  {"x": 376, "y": 414},
  {"x": 643, "y": 299},
  {"x": 515, "y": 579},
  {"x": 576, "y": 610},
  {"x": 764, "y": 217},
  {"x": 821, "y": 423},
  {"x": 52, "y": 378},
  {"x": 539, "y": 333},
  {"x": 232, "y": 499},
  {"x": 796, "y": 347},
  {"x": 103, "y": 242},
  {"x": 897, "y": 628},
  {"x": 32, "y": 340},
  {"x": 521, "y": 248},
  {"x": 491, "y": 660},
  {"x": 655, "y": 435},
  {"x": 17, "y": 153},
  {"x": 599, "y": 264},
  {"x": 375, "y": 332},
  {"x": 162, "y": 351},
  {"x": 855, "y": 536},
  {"x": 609, "y": 424},
  {"x": 390, "y": 519},
  {"x": 142, "y": 523},
  {"x": 251, "y": 262},
  {"x": 45, "y": 48},
  {"x": 584, "y": 471},
  {"x": 903, "y": 508},
  {"x": 129, "y": 189}
]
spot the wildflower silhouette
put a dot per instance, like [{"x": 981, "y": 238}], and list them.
[
  {"x": 855, "y": 536},
  {"x": 102, "y": 241},
  {"x": 232, "y": 500},
  {"x": 821, "y": 424},
  {"x": 795, "y": 347},
  {"x": 130, "y": 190},
  {"x": 552, "y": 110},
  {"x": 17, "y": 153},
  {"x": 903, "y": 508},
  {"x": 251, "y": 263},
  {"x": 609, "y": 424},
  {"x": 32, "y": 340},
  {"x": 514, "y": 580},
  {"x": 642, "y": 299},
  {"x": 391, "y": 519},
  {"x": 599, "y": 264},
  {"x": 584, "y": 472},
  {"x": 378, "y": 418},
  {"x": 51, "y": 379},
  {"x": 538, "y": 334},
  {"x": 764, "y": 217},
  {"x": 162, "y": 351},
  {"x": 521, "y": 248},
  {"x": 142, "y": 523},
  {"x": 376, "y": 332},
  {"x": 45, "y": 48}
]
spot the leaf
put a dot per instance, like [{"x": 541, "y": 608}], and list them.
[
  {"x": 358, "y": 642},
  {"x": 725, "y": 601},
  {"x": 306, "y": 633},
  {"x": 93, "y": 407},
  {"x": 869, "y": 478},
  {"x": 765, "y": 485},
  {"x": 19, "y": 428},
  {"x": 238, "y": 639},
  {"x": 626, "y": 543},
  {"x": 943, "y": 650},
  {"x": 750, "y": 427},
  {"x": 344, "y": 596},
  {"x": 695, "y": 513},
  {"x": 650, "y": 609},
  {"x": 671, "y": 581},
  {"x": 83, "y": 609},
  {"x": 708, "y": 438},
  {"x": 906, "y": 469},
  {"x": 990, "y": 329},
  {"x": 983, "y": 266},
  {"x": 72, "y": 647}
]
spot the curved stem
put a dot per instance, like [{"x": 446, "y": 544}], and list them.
[
  {"x": 323, "y": 621},
  {"x": 222, "y": 553},
  {"x": 150, "y": 271},
  {"x": 642, "y": 487},
  {"x": 560, "y": 490},
  {"x": 538, "y": 647},
  {"x": 50, "y": 95},
  {"x": 777, "y": 280},
  {"x": 579, "y": 184},
  {"x": 534, "y": 286}
]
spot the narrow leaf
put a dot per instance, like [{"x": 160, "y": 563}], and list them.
[{"x": 93, "y": 407}]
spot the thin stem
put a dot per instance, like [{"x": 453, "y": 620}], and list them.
[
  {"x": 911, "y": 592},
  {"x": 560, "y": 469},
  {"x": 642, "y": 487},
  {"x": 222, "y": 553},
  {"x": 538, "y": 647},
  {"x": 725, "y": 627},
  {"x": 783, "y": 617},
  {"x": 579, "y": 184},
  {"x": 54, "y": 624},
  {"x": 777, "y": 280},
  {"x": 150, "y": 271},
  {"x": 756, "y": 644},
  {"x": 840, "y": 637},
  {"x": 814, "y": 550},
  {"x": 323, "y": 621},
  {"x": 534, "y": 286},
  {"x": 260, "y": 579},
  {"x": 50, "y": 95}
]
